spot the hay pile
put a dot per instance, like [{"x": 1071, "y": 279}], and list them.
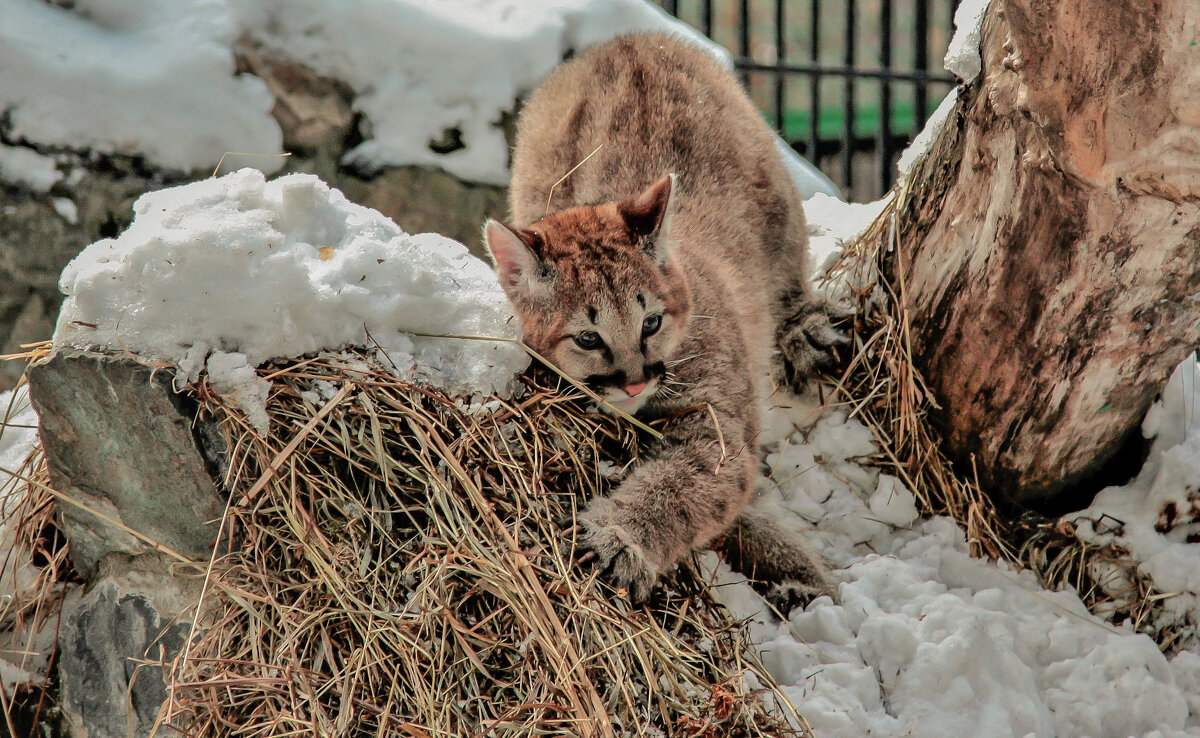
[{"x": 398, "y": 569}]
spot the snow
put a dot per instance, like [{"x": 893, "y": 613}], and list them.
[
  {"x": 66, "y": 209},
  {"x": 224, "y": 274},
  {"x": 161, "y": 74},
  {"x": 1169, "y": 479},
  {"x": 26, "y": 167},
  {"x": 963, "y": 60},
  {"x": 832, "y": 223},
  {"x": 962, "y": 55},
  {"x": 462, "y": 66},
  {"x": 920, "y": 145},
  {"x": 929, "y": 641},
  {"x": 221, "y": 275}
]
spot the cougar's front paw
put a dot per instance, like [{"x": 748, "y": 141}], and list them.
[
  {"x": 615, "y": 551},
  {"x": 810, "y": 343}
]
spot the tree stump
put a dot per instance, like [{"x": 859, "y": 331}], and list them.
[{"x": 1050, "y": 243}]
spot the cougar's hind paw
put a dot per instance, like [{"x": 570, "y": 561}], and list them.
[
  {"x": 810, "y": 342},
  {"x": 786, "y": 596}
]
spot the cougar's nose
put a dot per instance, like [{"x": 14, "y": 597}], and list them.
[{"x": 634, "y": 390}]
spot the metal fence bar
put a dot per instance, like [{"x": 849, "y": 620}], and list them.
[
  {"x": 848, "y": 104},
  {"x": 920, "y": 61},
  {"x": 883, "y": 138},
  {"x": 771, "y": 84},
  {"x": 814, "y": 93},
  {"x": 841, "y": 70},
  {"x": 780, "y": 57},
  {"x": 744, "y": 35}
]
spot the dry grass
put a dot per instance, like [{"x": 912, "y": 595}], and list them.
[
  {"x": 398, "y": 568},
  {"x": 886, "y": 392},
  {"x": 34, "y": 570}
]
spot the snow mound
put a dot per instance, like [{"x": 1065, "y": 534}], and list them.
[
  {"x": 226, "y": 273},
  {"x": 929, "y": 641}
]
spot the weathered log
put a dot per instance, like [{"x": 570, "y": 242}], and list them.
[{"x": 1050, "y": 245}]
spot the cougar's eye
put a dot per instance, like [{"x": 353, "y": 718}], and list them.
[
  {"x": 589, "y": 340},
  {"x": 651, "y": 325}
]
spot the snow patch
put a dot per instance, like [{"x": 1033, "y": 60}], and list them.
[
  {"x": 832, "y": 224},
  {"x": 919, "y": 148},
  {"x": 163, "y": 75},
  {"x": 26, "y": 167},
  {"x": 66, "y": 209},
  {"x": 963, "y": 60},
  {"x": 929, "y": 641},
  {"x": 1156, "y": 516},
  {"x": 160, "y": 75},
  {"x": 421, "y": 69},
  {"x": 962, "y": 55},
  {"x": 227, "y": 273}
]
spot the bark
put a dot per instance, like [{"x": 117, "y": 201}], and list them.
[{"x": 1049, "y": 251}]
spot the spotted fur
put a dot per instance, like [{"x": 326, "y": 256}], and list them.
[{"x": 669, "y": 272}]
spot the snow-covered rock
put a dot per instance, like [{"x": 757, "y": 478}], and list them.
[
  {"x": 224, "y": 274},
  {"x": 158, "y": 80}
]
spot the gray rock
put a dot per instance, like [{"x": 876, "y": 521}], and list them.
[
  {"x": 120, "y": 442},
  {"x": 114, "y": 637},
  {"x": 36, "y": 242}
]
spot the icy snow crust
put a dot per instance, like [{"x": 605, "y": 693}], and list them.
[{"x": 224, "y": 274}]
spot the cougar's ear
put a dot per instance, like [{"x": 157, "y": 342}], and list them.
[
  {"x": 515, "y": 253},
  {"x": 648, "y": 215}
]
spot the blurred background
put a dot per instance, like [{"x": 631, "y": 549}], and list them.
[{"x": 847, "y": 83}]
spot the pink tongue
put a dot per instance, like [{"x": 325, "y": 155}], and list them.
[{"x": 634, "y": 390}]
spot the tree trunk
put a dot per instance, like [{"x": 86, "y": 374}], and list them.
[{"x": 1050, "y": 245}]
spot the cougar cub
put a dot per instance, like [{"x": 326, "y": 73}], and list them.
[{"x": 668, "y": 273}]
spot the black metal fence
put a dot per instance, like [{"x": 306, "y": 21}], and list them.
[{"x": 847, "y": 83}]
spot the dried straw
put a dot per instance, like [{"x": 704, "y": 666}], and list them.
[{"x": 398, "y": 568}]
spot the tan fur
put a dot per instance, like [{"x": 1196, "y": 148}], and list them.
[{"x": 719, "y": 251}]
